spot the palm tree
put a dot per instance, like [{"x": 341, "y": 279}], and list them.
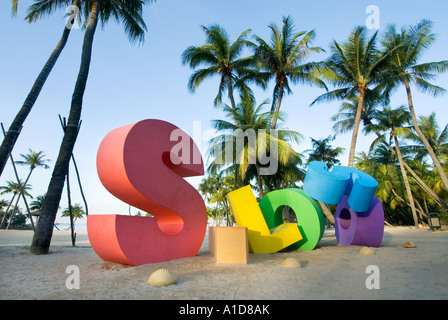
[
  {"x": 345, "y": 118},
  {"x": 324, "y": 151},
  {"x": 355, "y": 68},
  {"x": 393, "y": 122},
  {"x": 130, "y": 14},
  {"x": 37, "y": 204},
  {"x": 287, "y": 176},
  {"x": 255, "y": 124},
  {"x": 14, "y": 6},
  {"x": 77, "y": 212},
  {"x": 3, "y": 203},
  {"x": 33, "y": 159},
  {"x": 405, "y": 70},
  {"x": 215, "y": 188},
  {"x": 15, "y": 189},
  {"x": 284, "y": 59},
  {"x": 220, "y": 57},
  {"x": 438, "y": 140},
  {"x": 36, "y": 10},
  {"x": 383, "y": 165}
]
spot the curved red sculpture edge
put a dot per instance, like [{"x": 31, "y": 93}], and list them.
[
  {"x": 134, "y": 240},
  {"x": 136, "y": 164}
]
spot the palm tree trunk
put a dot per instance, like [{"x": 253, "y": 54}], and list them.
[
  {"x": 428, "y": 147},
  {"x": 277, "y": 107},
  {"x": 327, "y": 212},
  {"x": 419, "y": 210},
  {"x": 422, "y": 184},
  {"x": 44, "y": 231},
  {"x": 13, "y": 212},
  {"x": 232, "y": 99},
  {"x": 13, "y": 131},
  {"x": 351, "y": 158},
  {"x": 7, "y": 209},
  {"x": 406, "y": 182},
  {"x": 259, "y": 182},
  {"x": 24, "y": 198}
]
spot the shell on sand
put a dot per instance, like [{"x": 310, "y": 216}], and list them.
[
  {"x": 291, "y": 263},
  {"x": 366, "y": 251},
  {"x": 408, "y": 244},
  {"x": 161, "y": 277}
]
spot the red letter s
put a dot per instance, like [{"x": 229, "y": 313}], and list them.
[{"x": 135, "y": 164}]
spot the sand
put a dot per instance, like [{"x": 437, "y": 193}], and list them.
[{"x": 330, "y": 271}]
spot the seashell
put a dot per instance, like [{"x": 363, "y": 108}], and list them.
[
  {"x": 408, "y": 244},
  {"x": 161, "y": 277},
  {"x": 366, "y": 251},
  {"x": 291, "y": 263}
]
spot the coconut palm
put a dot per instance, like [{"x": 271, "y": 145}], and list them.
[
  {"x": 383, "y": 165},
  {"x": 215, "y": 188},
  {"x": 36, "y": 10},
  {"x": 221, "y": 57},
  {"x": 438, "y": 140},
  {"x": 3, "y": 203},
  {"x": 284, "y": 59},
  {"x": 77, "y": 212},
  {"x": 345, "y": 117},
  {"x": 37, "y": 204},
  {"x": 355, "y": 68},
  {"x": 15, "y": 189},
  {"x": 33, "y": 159},
  {"x": 255, "y": 124},
  {"x": 406, "y": 70},
  {"x": 14, "y": 5},
  {"x": 129, "y": 13},
  {"x": 393, "y": 122},
  {"x": 288, "y": 175},
  {"x": 324, "y": 151}
]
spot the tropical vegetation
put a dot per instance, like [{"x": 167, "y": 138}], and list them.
[
  {"x": 408, "y": 154},
  {"x": 365, "y": 71}
]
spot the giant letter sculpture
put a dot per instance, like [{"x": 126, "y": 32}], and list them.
[
  {"x": 359, "y": 228},
  {"x": 135, "y": 163},
  {"x": 310, "y": 219},
  {"x": 247, "y": 214},
  {"x": 359, "y": 216}
]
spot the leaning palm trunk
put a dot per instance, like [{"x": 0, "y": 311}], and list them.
[
  {"x": 7, "y": 209},
  {"x": 13, "y": 131},
  {"x": 351, "y": 158},
  {"x": 406, "y": 182},
  {"x": 327, "y": 212},
  {"x": 428, "y": 147},
  {"x": 232, "y": 99},
  {"x": 44, "y": 231},
  {"x": 13, "y": 212},
  {"x": 259, "y": 182},
  {"x": 277, "y": 107},
  {"x": 420, "y": 182}
]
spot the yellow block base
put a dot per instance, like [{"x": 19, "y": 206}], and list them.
[{"x": 229, "y": 244}]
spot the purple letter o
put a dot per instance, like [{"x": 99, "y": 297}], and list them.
[{"x": 359, "y": 228}]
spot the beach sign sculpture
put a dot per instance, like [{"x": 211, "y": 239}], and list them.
[
  {"x": 136, "y": 164},
  {"x": 144, "y": 165},
  {"x": 359, "y": 216},
  {"x": 266, "y": 231}
]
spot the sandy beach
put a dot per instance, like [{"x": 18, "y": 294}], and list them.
[{"x": 330, "y": 271}]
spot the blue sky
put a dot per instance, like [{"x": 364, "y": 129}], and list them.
[{"x": 128, "y": 83}]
